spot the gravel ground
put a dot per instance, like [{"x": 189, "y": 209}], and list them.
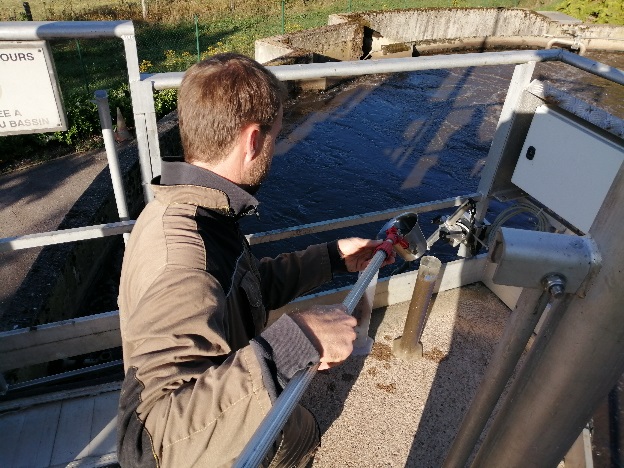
[{"x": 380, "y": 411}]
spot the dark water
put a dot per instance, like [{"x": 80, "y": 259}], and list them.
[{"x": 386, "y": 141}]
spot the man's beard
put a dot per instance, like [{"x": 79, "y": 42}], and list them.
[{"x": 257, "y": 174}]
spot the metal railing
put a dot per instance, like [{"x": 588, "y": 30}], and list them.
[{"x": 142, "y": 88}]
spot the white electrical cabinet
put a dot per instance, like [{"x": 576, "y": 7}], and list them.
[{"x": 567, "y": 167}]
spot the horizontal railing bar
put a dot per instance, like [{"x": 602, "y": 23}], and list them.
[
  {"x": 596, "y": 68},
  {"x": 67, "y": 338},
  {"x": 104, "y": 230},
  {"x": 308, "y": 71},
  {"x": 58, "y": 340},
  {"x": 36, "y": 30},
  {"x": 65, "y": 235},
  {"x": 372, "y": 217}
]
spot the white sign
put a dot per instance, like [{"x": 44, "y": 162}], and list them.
[{"x": 29, "y": 97}]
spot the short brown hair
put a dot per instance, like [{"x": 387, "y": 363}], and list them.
[{"x": 218, "y": 97}]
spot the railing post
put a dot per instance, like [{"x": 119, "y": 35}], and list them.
[
  {"x": 101, "y": 99},
  {"x": 408, "y": 345}
]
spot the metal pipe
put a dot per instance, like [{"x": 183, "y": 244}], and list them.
[
  {"x": 308, "y": 71},
  {"x": 575, "y": 361},
  {"x": 259, "y": 444},
  {"x": 591, "y": 66},
  {"x": 518, "y": 330},
  {"x": 363, "y": 344},
  {"x": 101, "y": 99},
  {"x": 91, "y": 232},
  {"x": 34, "y": 30},
  {"x": 42, "y": 239},
  {"x": 409, "y": 346},
  {"x": 359, "y": 219},
  {"x": 568, "y": 42}
]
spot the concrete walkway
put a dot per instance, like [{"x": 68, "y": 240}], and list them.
[
  {"x": 382, "y": 411},
  {"x": 38, "y": 199}
]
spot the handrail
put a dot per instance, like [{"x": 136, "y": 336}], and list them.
[
  {"x": 43, "y": 239},
  {"x": 35, "y": 30},
  {"x": 308, "y": 71}
]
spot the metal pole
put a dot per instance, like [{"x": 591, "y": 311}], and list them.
[
  {"x": 518, "y": 330},
  {"x": 408, "y": 345},
  {"x": 82, "y": 67},
  {"x": 197, "y": 38},
  {"x": 101, "y": 99},
  {"x": 259, "y": 444},
  {"x": 283, "y": 14},
  {"x": 575, "y": 361}
]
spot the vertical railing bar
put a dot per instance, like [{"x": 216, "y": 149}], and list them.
[{"x": 101, "y": 99}]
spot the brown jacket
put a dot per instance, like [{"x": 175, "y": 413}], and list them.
[{"x": 200, "y": 371}]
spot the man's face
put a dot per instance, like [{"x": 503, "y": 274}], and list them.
[{"x": 260, "y": 170}]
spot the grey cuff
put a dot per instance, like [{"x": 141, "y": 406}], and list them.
[{"x": 285, "y": 350}]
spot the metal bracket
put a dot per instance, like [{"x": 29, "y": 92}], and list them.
[{"x": 533, "y": 259}]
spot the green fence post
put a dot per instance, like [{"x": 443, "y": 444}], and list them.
[
  {"x": 197, "y": 38},
  {"x": 283, "y": 22},
  {"x": 82, "y": 66},
  {"x": 349, "y": 6}
]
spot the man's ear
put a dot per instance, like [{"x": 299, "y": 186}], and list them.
[{"x": 253, "y": 139}]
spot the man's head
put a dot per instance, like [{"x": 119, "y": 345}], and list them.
[{"x": 220, "y": 98}]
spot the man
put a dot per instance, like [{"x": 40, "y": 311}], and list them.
[{"x": 201, "y": 368}]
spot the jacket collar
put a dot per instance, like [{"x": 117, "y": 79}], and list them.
[{"x": 202, "y": 187}]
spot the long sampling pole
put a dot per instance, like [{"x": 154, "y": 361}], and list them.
[{"x": 259, "y": 444}]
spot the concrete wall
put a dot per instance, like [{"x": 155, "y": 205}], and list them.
[
  {"x": 429, "y": 28},
  {"x": 333, "y": 42},
  {"x": 445, "y": 23}
]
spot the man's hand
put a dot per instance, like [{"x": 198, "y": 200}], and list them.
[
  {"x": 357, "y": 253},
  {"x": 331, "y": 331}
]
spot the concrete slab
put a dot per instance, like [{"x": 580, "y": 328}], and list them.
[
  {"x": 560, "y": 17},
  {"x": 381, "y": 411}
]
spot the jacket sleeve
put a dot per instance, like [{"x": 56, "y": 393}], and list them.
[
  {"x": 291, "y": 275},
  {"x": 184, "y": 379}
]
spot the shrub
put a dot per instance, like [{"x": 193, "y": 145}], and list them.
[{"x": 83, "y": 126}]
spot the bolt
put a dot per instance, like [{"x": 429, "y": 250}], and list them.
[
  {"x": 555, "y": 285},
  {"x": 557, "y": 291}
]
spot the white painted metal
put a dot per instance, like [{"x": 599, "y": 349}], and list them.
[
  {"x": 27, "y": 346},
  {"x": 101, "y": 99},
  {"x": 588, "y": 112},
  {"x": 571, "y": 168},
  {"x": 92, "y": 391},
  {"x": 31, "y": 101},
  {"x": 519, "y": 81},
  {"x": 97, "y": 332},
  {"x": 66, "y": 235}
]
